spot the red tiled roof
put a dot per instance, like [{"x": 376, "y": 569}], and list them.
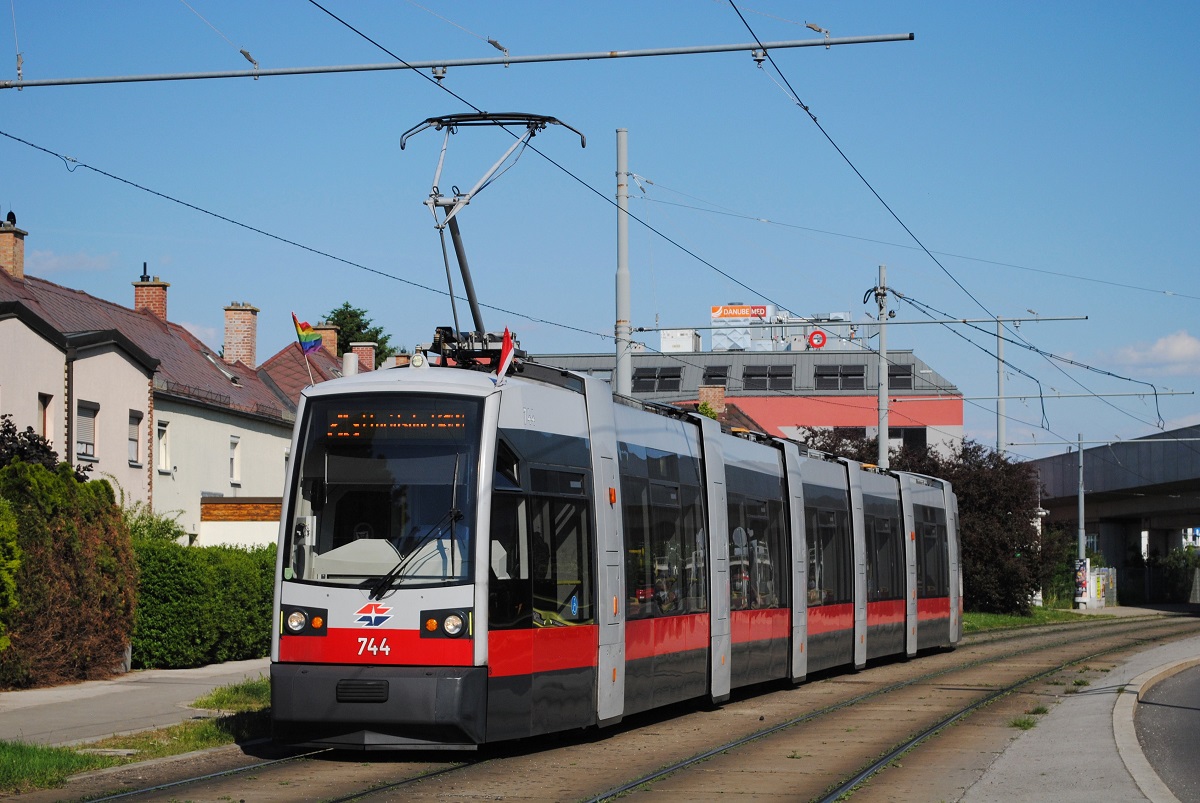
[
  {"x": 288, "y": 371},
  {"x": 733, "y": 416},
  {"x": 187, "y": 366}
]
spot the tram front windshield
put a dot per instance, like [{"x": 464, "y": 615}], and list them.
[{"x": 384, "y": 488}]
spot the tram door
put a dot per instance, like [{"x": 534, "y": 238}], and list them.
[
  {"x": 543, "y": 639},
  {"x": 564, "y": 645}
]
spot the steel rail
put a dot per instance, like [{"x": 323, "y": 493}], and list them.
[
  {"x": 1116, "y": 628},
  {"x": 846, "y": 786},
  {"x": 208, "y": 777}
]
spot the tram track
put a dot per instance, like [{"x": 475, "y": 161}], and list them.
[
  {"x": 677, "y": 750},
  {"x": 876, "y": 751}
]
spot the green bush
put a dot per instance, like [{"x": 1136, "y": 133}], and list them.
[
  {"x": 202, "y": 605},
  {"x": 178, "y": 609},
  {"x": 10, "y": 561},
  {"x": 248, "y": 578},
  {"x": 143, "y": 522},
  {"x": 75, "y": 582},
  {"x": 1179, "y": 570}
]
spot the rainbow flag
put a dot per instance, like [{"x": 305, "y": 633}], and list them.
[{"x": 310, "y": 341}]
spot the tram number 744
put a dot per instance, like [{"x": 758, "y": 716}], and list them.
[{"x": 368, "y": 645}]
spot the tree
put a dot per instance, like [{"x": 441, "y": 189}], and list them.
[
  {"x": 26, "y": 445},
  {"x": 355, "y": 327}
]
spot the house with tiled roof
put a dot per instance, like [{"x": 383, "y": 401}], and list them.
[{"x": 143, "y": 402}]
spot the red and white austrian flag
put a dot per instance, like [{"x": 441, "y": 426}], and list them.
[{"x": 506, "y": 357}]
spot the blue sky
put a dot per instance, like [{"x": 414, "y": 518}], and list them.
[{"x": 1045, "y": 153}]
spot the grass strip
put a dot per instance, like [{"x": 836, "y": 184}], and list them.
[{"x": 25, "y": 767}]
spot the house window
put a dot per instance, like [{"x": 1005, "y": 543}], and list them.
[
  {"x": 850, "y": 433},
  {"x": 767, "y": 377},
  {"x": 47, "y": 429},
  {"x": 162, "y": 446},
  {"x": 85, "y": 429},
  {"x": 900, "y": 377},
  {"x": 840, "y": 377},
  {"x": 909, "y": 437},
  {"x": 135, "y": 438},
  {"x": 657, "y": 380},
  {"x": 235, "y": 460},
  {"x": 716, "y": 375}
]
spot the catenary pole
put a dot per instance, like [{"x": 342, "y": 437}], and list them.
[
  {"x": 999, "y": 386},
  {"x": 623, "y": 373},
  {"x": 881, "y": 297},
  {"x": 1081, "y": 599}
]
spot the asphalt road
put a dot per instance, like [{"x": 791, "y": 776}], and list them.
[{"x": 1168, "y": 725}]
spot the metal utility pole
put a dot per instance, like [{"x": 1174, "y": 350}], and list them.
[
  {"x": 999, "y": 386},
  {"x": 881, "y": 299},
  {"x": 1081, "y": 599},
  {"x": 623, "y": 375}
]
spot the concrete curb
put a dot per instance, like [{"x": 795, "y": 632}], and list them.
[{"x": 1125, "y": 732}]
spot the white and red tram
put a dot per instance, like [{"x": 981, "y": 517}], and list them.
[{"x": 463, "y": 563}]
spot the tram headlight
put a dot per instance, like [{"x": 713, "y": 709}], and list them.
[
  {"x": 453, "y": 624},
  {"x": 296, "y": 621}
]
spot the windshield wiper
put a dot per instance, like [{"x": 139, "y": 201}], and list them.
[{"x": 384, "y": 583}]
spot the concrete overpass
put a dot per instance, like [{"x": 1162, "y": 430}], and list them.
[{"x": 1139, "y": 496}]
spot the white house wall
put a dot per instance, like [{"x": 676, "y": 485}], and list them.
[
  {"x": 239, "y": 533},
  {"x": 107, "y": 377},
  {"x": 198, "y": 444},
  {"x": 31, "y": 366}
]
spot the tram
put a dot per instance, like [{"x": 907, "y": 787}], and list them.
[{"x": 466, "y": 558}]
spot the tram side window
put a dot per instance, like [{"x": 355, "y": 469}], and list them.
[
  {"x": 885, "y": 561},
  {"x": 933, "y": 569},
  {"x": 510, "y": 592},
  {"x": 756, "y": 557},
  {"x": 635, "y": 514},
  {"x": 695, "y": 551},
  {"x": 560, "y": 554},
  {"x": 830, "y": 558},
  {"x": 666, "y": 570},
  {"x": 666, "y": 552}
]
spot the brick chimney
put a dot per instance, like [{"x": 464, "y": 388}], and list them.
[
  {"x": 366, "y": 355},
  {"x": 151, "y": 294},
  {"x": 241, "y": 334},
  {"x": 403, "y": 359},
  {"x": 328, "y": 333},
  {"x": 12, "y": 250},
  {"x": 714, "y": 396}
]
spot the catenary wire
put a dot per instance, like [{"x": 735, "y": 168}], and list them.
[
  {"x": 668, "y": 239},
  {"x": 73, "y": 164},
  {"x": 896, "y": 217},
  {"x": 720, "y": 210},
  {"x": 925, "y": 308}
]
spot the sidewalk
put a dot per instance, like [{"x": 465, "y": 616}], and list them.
[
  {"x": 1086, "y": 748},
  {"x": 142, "y": 700}
]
